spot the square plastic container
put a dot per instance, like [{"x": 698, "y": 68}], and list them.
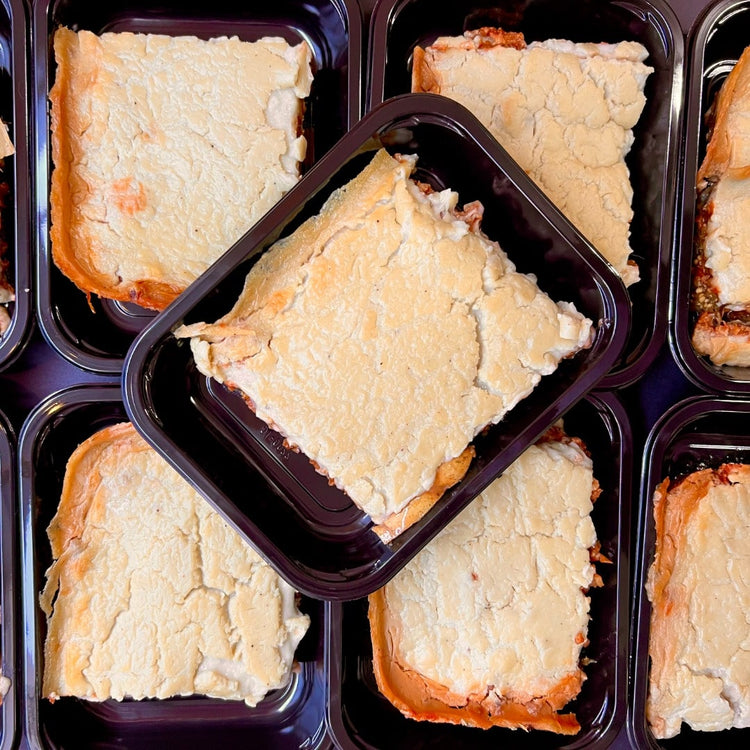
[
  {"x": 15, "y": 216},
  {"x": 290, "y": 718},
  {"x": 97, "y": 337},
  {"x": 698, "y": 433},
  {"x": 310, "y": 531},
  {"x": 400, "y": 25},
  {"x": 715, "y": 42},
  {"x": 8, "y": 630},
  {"x": 360, "y": 717}
]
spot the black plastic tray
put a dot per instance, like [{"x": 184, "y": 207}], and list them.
[
  {"x": 285, "y": 719},
  {"x": 698, "y": 433},
  {"x": 16, "y": 216},
  {"x": 309, "y": 530},
  {"x": 97, "y": 339},
  {"x": 360, "y": 717},
  {"x": 400, "y": 25},
  {"x": 715, "y": 42},
  {"x": 8, "y": 536}
]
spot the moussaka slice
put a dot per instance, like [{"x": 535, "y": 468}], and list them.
[
  {"x": 382, "y": 335},
  {"x": 151, "y": 594},
  {"x": 486, "y": 625},
  {"x": 166, "y": 151}
]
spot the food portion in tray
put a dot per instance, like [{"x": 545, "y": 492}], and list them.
[
  {"x": 383, "y": 335},
  {"x": 151, "y": 594},
  {"x": 166, "y": 151},
  {"x": 563, "y": 110},
  {"x": 699, "y": 587},
  {"x": 721, "y": 276},
  {"x": 6, "y": 287},
  {"x": 486, "y": 625}
]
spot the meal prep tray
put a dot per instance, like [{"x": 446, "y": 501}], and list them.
[
  {"x": 15, "y": 208},
  {"x": 362, "y": 718},
  {"x": 701, "y": 432},
  {"x": 715, "y": 43},
  {"x": 8, "y": 551},
  {"x": 397, "y": 26},
  {"x": 308, "y": 529},
  {"x": 289, "y": 718},
  {"x": 96, "y": 335}
]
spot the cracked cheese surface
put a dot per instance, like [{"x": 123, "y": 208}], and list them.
[
  {"x": 166, "y": 151},
  {"x": 699, "y": 585},
  {"x": 151, "y": 594},
  {"x": 383, "y": 335},
  {"x": 565, "y": 112},
  {"x": 493, "y": 608}
]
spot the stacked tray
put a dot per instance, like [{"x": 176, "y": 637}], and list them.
[
  {"x": 317, "y": 539},
  {"x": 124, "y": 363}
]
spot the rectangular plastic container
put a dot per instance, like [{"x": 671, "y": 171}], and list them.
[
  {"x": 698, "y": 433},
  {"x": 97, "y": 337},
  {"x": 15, "y": 214},
  {"x": 291, "y": 718},
  {"x": 310, "y": 531},
  {"x": 8, "y": 628},
  {"x": 398, "y": 26},
  {"x": 360, "y": 717},
  {"x": 715, "y": 42}
]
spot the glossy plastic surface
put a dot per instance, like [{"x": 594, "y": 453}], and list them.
[
  {"x": 15, "y": 208},
  {"x": 97, "y": 337},
  {"x": 360, "y": 717},
  {"x": 8, "y": 628},
  {"x": 285, "y": 719},
  {"x": 400, "y": 25},
  {"x": 309, "y": 530},
  {"x": 715, "y": 43},
  {"x": 698, "y": 433}
]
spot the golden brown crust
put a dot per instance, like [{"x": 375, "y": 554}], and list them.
[
  {"x": 718, "y": 158},
  {"x": 422, "y": 699},
  {"x": 425, "y": 77},
  {"x": 724, "y": 342},
  {"x": 448, "y": 474},
  {"x": 65, "y": 184}
]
